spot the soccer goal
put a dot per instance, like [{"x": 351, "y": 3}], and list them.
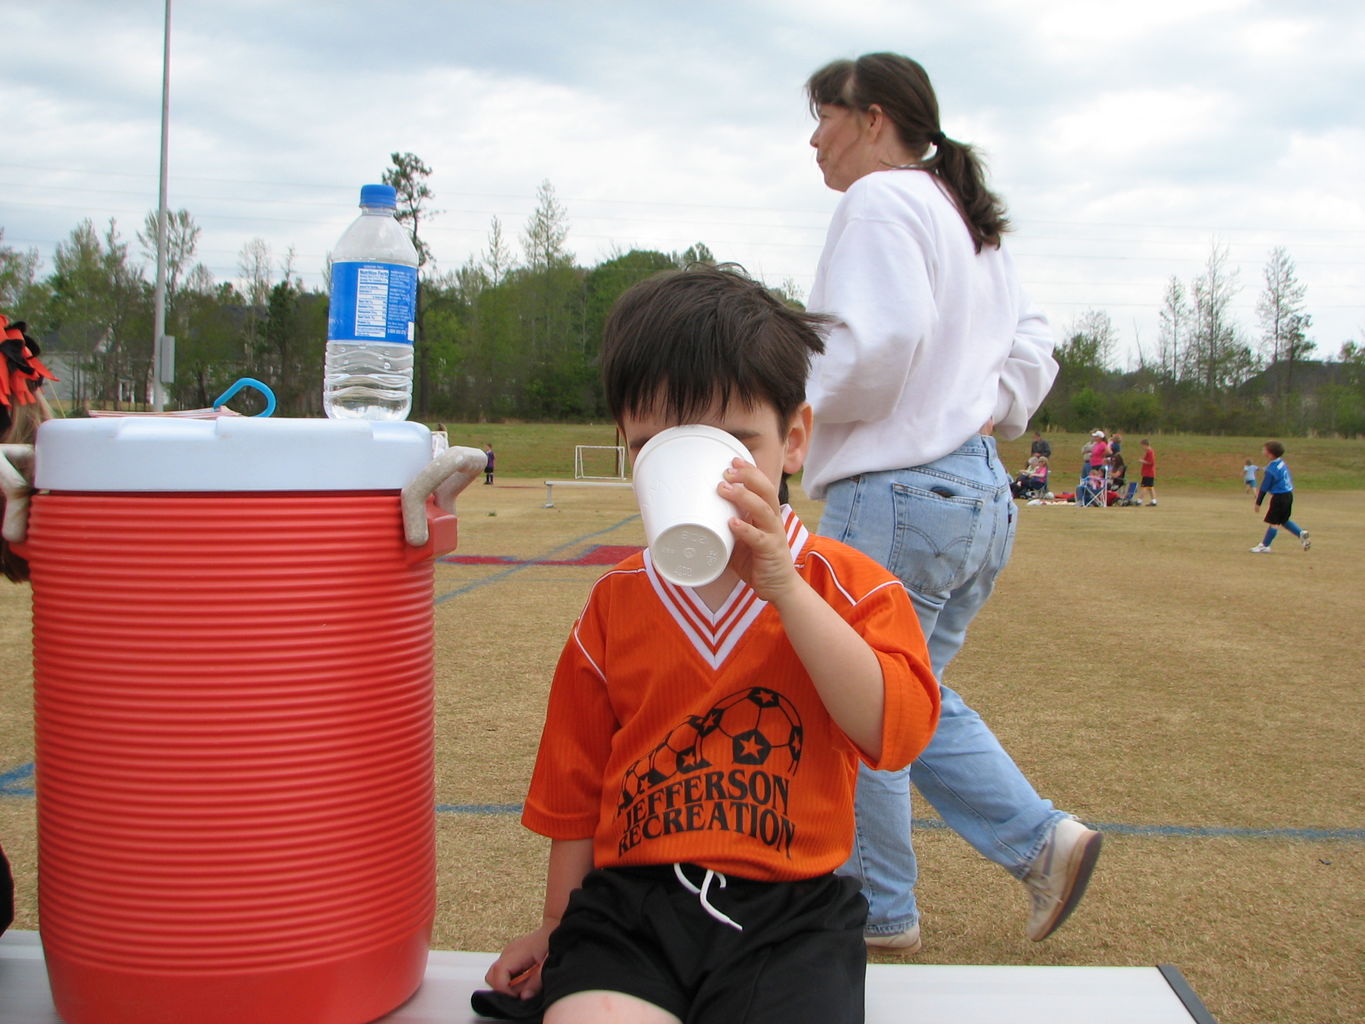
[{"x": 599, "y": 462}]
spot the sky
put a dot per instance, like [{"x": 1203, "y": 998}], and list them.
[{"x": 1128, "y": 140}]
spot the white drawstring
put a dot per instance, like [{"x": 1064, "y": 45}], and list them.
[{"x": 702, "y": 892}]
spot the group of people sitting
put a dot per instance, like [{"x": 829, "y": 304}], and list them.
[
  {"x": 1103, "y": 470},
  {"x": 1032, "y": 479}
]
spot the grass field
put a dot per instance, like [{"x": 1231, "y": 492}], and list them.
[
  {"x": 1200, "y": 704},
  {"x": 1183, "y": 460}
]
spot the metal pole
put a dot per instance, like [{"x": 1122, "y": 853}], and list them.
[{"x": 159, "y": 313}]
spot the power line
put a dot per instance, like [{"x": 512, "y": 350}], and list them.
[{"x": 1203, "y": 230}]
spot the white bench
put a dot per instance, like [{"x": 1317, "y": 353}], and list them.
[
  {"x": 550, "y": 485},
  {"x": 896, "y": 993}
]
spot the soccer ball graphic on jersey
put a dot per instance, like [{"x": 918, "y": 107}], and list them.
[
  {"x": 680, "y": 751},
  {"x": 748, "y": 727},
  {"x": 755, "y": 724}
]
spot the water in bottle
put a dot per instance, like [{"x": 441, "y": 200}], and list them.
[{"x": 372, "y": 315}]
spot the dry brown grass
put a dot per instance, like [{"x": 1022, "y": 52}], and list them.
[{"x": 1186, "y": 685}]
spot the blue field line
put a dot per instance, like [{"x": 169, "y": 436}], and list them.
[
  {"x": 498, "y": 576},
  {"x": 1180, "y": 831},
  {"x": 1218, "y": 832},
  {"x": 19, "y": 782}
]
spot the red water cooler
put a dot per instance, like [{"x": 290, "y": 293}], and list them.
[{"x": 233, "y": 672}]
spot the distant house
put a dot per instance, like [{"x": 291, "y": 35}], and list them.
[
  {"x": 66, "y": 389},
  {"x": 77, "y": 386},
  {"x": 1304, "y": 380}
]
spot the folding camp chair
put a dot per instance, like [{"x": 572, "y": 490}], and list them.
[{"x": 1094, "y": 488}]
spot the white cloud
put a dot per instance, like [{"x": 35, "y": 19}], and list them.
[
  {"x": 1275, "y": 38},
  {"x": 1122, "y": 136},
  {"x": 1134, "y": 129},
  {"x": 1072, "y": 29}
]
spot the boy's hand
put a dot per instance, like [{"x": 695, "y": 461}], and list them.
[
  {"x": 762, "y": 557},
  {"x": 517, "y": 971}
]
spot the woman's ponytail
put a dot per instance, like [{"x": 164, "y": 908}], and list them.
[{"x": 958, "y": 167}]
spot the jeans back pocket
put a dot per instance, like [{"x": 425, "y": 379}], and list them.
[{"x": 935, "y": 535}]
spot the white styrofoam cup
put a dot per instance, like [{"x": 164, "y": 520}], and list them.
[{"x": 687, "y": 524}]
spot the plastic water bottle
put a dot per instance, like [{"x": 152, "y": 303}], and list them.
[{"x": 371, "y": 318}]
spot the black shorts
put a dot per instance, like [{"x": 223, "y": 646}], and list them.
[
  {"x": 800, "y": 956},
  {"x": 1281, "y": 505},
  {"x": 1150, "y": 481}
]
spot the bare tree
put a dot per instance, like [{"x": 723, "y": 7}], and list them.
[
  {"x": 696, "y": 253},
  {"x": 287, "y": 270},
  {"x": 497, "y": 258},
  {"x": 182, "y": 241},
  {"x": 199, "y": 281},
  {"x": 1217, "y": 356},
  {"x": 1284, "y": 324},
  {"x": 254, "y": 262},
  {"x": 547, "y": 229},
  {"x": 1101, "y": 337},
  {"x": 1174, "y": 334}
]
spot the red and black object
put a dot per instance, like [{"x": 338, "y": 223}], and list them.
[{"x": 21, "y": 371}]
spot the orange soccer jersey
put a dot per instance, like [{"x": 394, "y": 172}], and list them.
[{"x": 675, "y": 734}]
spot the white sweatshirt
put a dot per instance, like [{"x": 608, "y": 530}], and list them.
[{"x": 930, "y": 338}]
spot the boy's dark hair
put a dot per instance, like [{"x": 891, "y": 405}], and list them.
[
  {"x": 1274, "y": 448},
  {"x": 680, "y": 341}
]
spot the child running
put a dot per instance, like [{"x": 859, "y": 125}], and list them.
[
  {"x": 697, "y": 766},
  {"x": 1277, "y": 482}
]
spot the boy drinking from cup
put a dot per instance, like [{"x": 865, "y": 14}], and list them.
[{"x": 697, "y": 766}]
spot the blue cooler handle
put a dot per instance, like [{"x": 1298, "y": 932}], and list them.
[{"x": 248, "y": 382}]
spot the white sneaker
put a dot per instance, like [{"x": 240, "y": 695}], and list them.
[
  {"x": 1303, "y": 539},
  {"x": 1260, "y": 549},
  {"x": 907, "y": 942},
  {"x": 1057, "y": 878}
]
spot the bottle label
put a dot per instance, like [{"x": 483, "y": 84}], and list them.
[{"x": 372, "y": 302}]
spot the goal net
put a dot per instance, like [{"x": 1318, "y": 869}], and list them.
[{"x": 599, "y": 462}]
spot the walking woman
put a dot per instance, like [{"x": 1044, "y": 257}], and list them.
[{"x": 934, "y": 347}]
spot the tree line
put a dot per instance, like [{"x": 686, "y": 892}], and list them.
[
  {"x": 1207, "y": 375},
  {"x": 513, "y": 332}
]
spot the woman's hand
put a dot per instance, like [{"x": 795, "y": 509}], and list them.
[
  {"x": 517, "y": 971},
  {"x": 762, "y": 555}
]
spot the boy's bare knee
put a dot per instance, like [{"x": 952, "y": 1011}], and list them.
[{"x": 599, "y": 1006}]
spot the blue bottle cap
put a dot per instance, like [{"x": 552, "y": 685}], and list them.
[{"x": 378, "y": 195}]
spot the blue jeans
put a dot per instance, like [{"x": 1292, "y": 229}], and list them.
[{"x": 946, "y": 530}]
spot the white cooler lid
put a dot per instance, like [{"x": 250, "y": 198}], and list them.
[{"x": 120, "y": 454}]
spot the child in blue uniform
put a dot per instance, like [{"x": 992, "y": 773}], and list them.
[{"x": 1280, "y": 486}]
